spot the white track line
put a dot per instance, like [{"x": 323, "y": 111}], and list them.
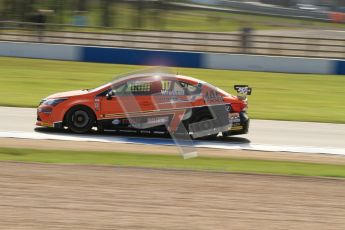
[{"x": 162, "y": 141}]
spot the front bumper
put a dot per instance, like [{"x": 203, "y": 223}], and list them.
[
  {"x": 44, "y": 124},
  {"x": 55, "y": 125},
  {"x": 45, "y": 120}
]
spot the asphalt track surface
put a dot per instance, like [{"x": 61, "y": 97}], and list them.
[{"x": 264, "y": 135}]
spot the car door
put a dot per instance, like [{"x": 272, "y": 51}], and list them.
[
  {"x": 128, "y": 99},
  {"x": 109, "y": 105}
]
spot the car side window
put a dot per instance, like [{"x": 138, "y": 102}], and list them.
[
  {"x": 166, "y": 85},
  {"x": 172, "y": 88},
  {"x": 135, "y": 88},
  {"x": 119, "y": 90},
  {"x": 189, "y": 89},
  {"x": 138, "y": 87}
]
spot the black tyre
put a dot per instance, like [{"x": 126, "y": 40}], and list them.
[
  {"x": 205, "y": 125},
  {"x": 80, "y": 119},
  {"x": 226, "y": 134}
]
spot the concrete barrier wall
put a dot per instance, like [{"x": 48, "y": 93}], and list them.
[
  {"x": 173, "y": 58},
  {"x": 268, "y": 63},
  {"x": 39, "y": 50}
]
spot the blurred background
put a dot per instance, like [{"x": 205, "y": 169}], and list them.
[
  {"x": 178, "y": 14},
  {"x": 312, "y": 28}
]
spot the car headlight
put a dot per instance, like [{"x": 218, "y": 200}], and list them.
[{"x": 54, "y": 102}]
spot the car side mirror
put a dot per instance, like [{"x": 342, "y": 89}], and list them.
[{"x": 109, "y": 95}]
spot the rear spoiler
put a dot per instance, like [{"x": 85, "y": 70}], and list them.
[{"x": 243, "y": 89}]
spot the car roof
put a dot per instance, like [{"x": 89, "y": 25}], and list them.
[
  {"x": 155, "y": 76},
  {"x": 167, "y": 76}
]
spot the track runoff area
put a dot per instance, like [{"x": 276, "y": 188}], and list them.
[{"x": 265, "y": 135}]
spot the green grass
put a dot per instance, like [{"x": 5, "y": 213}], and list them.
[
  {"x": 172, "y": 162},
  {"x": 277, "y": 96}
]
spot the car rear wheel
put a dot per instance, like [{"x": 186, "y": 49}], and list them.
[
  {"x": 80, "y": 119},
  {"x": 205, "y": 125}
]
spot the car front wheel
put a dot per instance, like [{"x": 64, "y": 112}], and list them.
[{"x": 80, "y": 119}]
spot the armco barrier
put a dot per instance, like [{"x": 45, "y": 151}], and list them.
[{"x": 173, "y": 58}]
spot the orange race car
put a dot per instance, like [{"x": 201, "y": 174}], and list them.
[{"x": 148, "y": 102}]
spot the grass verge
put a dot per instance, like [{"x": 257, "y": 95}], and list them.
[
  {"x": 172, "y": 162},
  {"x": 276, "y": 96}
]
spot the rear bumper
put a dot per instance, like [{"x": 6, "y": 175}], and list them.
[{"x": 240, "y": 124}]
